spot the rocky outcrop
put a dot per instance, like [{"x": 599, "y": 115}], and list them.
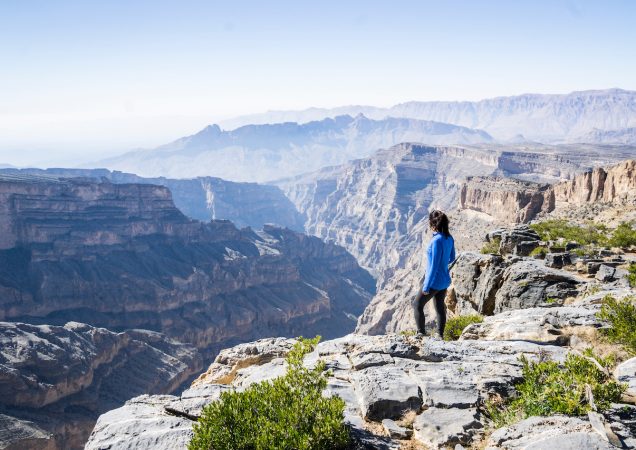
[
  {"x": 557, "y": 432},
  {"x": 615, "y": 184},
  {"x": 122, "y": 256},
  {"x": 482, "y": 284},
  {"x": 513, "y": 201},
  {"x": 438, "y": 384},
  {"x": 507, "y": 200},
  {"x": 55, "y": 381},
  {"x": 203, "y": 198},
  {"x": 375, "y": 207}
]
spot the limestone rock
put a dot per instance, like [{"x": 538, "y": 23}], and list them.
[
  {"x": 626, "y": 373},
  {"x": 439, "y": 428},
  {"x": 520, "y": 241},
  {"x": 450, "y": 378},
  {"x": 558, "y": 432},
  {"x": 142, "y": 423},
  {"x": 509, "y": 200},
  {"x": 557, "y": 260},
  {"x": 49, "y": 373},
  {"x": 386, "y": 393},
  {"x": 541, "y": 325},
  {"x": 396, "y": 431},
  {"x": 527, "y": 283}
]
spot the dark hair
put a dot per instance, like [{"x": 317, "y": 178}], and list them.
[{"x": 439, "y": 222}]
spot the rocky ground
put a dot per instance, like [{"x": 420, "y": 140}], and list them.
[{"x": 408, "y": 392}]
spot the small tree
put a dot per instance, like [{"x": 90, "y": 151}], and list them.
[{"x": 288, "y": 412}]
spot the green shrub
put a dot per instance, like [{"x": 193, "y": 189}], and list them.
[
  {"x": 549, "y": 388},
  {"x": 590, "y": 233},
  {"x": 539, "y": 251},
  {"x": 288, "y": 412},
  {"x": 631, "y": 276},
  {"x": 455, "y": 325},
  {"x": 491, "y": 247},
  {"x": 621, "y": 316},
  {"x": 623, "y": 236}
]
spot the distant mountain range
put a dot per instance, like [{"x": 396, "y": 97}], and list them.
[
  {"x": 267, "y": 152},
  {"x": 536, "y": 117}
]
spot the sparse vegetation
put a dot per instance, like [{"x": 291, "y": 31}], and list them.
[
  {"x": 286, "y": 413},
  {"x": 623, "y": 236},
  {"x": 590, "y": 233},
  {"x": 539, "y": 252},
  {"x": 491, "y": 247},
  {"x": 621, "y": 317},
  {"x": 549, "y": 388},
  {"x": 455, "y": 325},
  {"x": 631, "y": 276}
]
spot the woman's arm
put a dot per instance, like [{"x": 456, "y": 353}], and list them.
[{"x": 433, "y": 264}]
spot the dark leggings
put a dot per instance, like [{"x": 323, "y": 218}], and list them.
[{"x": 440, "y": 309}]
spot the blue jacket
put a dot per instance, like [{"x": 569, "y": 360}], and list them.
[{"x": 439, "y": 254}]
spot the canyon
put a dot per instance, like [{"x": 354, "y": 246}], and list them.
[{"x": 108, "y": 290}]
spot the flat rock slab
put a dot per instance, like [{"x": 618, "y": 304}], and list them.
[
  {"x": 626, "y": 373},
  {"x": 141, "y": 424},
  {"x": 541, "y": 325},
  {"x": 386, "y": 392},
  {"x": 438, "y": 427},
  {"x": 555, "y": 432},
  {"x": 193, "y": 400},
  {"x": 396, "y": 431},
  {"x": 364, "y": 359},
  {"x": 446, "y": 394}
]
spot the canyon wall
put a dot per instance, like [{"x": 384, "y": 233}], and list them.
[{"x": 202, "y": 198}]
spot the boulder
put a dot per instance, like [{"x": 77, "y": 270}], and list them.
[
  {"x": 557, "y": 260},
  {"x": 396, "y": 431},
  {"x": 386, "y": 392},
  {"x": 519, "y": 241},
  {"x": 476, "y": 279},
  {"x": 438, "y": 427},
  {"x": 541, "y": 325},
  {"x": 605, "y": 273},
  {"x": 555, "y": 432},
  {"x": 626, "y": 373},
  {"x": 528, "y": 283}
]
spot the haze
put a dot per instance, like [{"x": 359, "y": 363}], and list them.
[{"x": 84, "y": 80}]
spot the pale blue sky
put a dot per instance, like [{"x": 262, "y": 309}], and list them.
[{"x": 96, "y": 77}]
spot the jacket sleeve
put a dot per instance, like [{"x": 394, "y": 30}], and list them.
[
  {"x": 433, "y": 264},
  {"x": 452, "y": 254}
]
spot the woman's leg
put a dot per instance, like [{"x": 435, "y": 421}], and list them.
[
  {"x": 420, "y": 302},
  {"x": 440, "y": 309}
]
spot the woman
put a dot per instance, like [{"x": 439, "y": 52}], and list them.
[{"x": 439, "y": 254}]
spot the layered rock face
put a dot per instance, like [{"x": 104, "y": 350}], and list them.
[
  {"x": 514, "y": 201},
  {"x": 122, "y": 256},
  {"x": 506, "y": 199},
  {"x": 373, "y": 206},
  {"x": 616, "y": 184},
  {"x": 203, "y": 198},
  {"x": 55, "y": 381}
]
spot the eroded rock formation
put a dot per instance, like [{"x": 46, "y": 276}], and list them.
[
  {"x": 123, "y": 256},
  {"x": 55, "y": 381}
]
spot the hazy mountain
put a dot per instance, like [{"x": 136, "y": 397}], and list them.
[
  {"x": 544, "y": 118},
  {"x": 267, "y": 152}
]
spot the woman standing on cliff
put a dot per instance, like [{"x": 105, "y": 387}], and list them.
[{"x": 439, "y": 255}]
